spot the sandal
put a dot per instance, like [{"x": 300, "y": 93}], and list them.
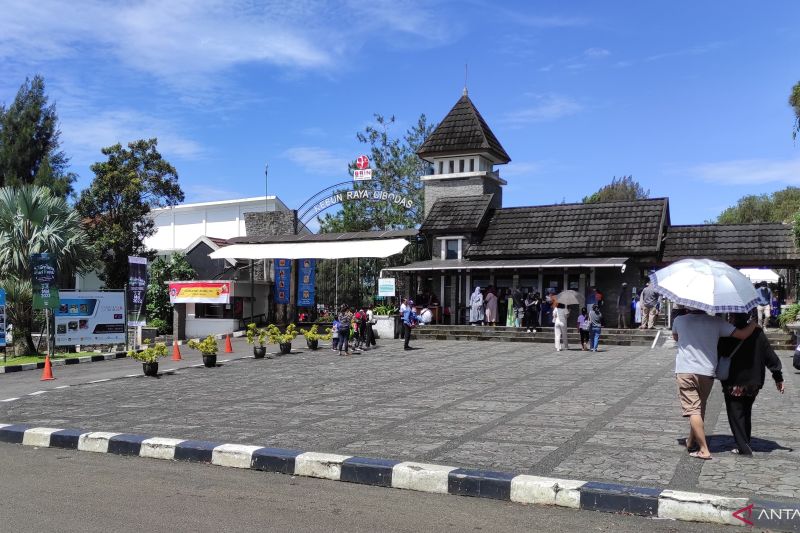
[{"x": 697, "y": 455}]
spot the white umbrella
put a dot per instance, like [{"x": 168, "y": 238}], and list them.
[
  {"x": 761, "y": 274},
  {"x": 708, "y": 285},
  {"x": 569, "y": 297}
]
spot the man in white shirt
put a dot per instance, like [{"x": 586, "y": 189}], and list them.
[{"x": 697, "y": 334}]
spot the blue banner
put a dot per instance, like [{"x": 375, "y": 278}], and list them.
[
  {"x": 283, "y": 281},
  {"x": 306, "y": 282}
]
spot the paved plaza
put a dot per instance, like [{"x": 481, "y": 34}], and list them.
[{"x": 607, "y": 416}]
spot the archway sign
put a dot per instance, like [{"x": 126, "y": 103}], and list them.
[{"x": 346, "y": 191}]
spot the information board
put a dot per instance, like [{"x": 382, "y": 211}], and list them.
[
  {"x": 386, "y": 287},
  {"x": 90, "y": 318}
]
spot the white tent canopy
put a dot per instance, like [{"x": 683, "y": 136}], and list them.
[
  {"x": 313, "y": 249},
  {"x": 757, "y": 275}
]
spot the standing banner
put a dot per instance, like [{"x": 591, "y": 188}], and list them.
[
  {"x": 306, "y": 282},
  {"x": 283, "y": 277},
  {"x": 209, "y": 292},
  {"x": 90, "y": 318},
  {"x": 137, "y": 290},
  {"x": 2, "y": 317},
  {"x": 44, "y": 274}
]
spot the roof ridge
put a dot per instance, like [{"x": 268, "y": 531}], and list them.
[
  {"x": 737, "y": 224},
  {"x": 640, "y": 200}
]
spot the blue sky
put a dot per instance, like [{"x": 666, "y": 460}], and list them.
[{"x": 688, "y": 97}]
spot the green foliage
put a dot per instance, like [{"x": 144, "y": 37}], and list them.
[
  {"x": 32, "y": 221},
  {"x": 150, "y": 354},
  {"x": 386, "y": 310},
  {"x": 116, "y": 205},
  {"x": 175, "y": 268},
  {"x": 29, "y": 142},
  {"x": 624, "y": 188},
  {"x": 794, "y": 101},
  {"x": 207, "y": 346},
  {"x": 789, "y": 314},
  {"x": 164, "y": 327},
  {"x": 254, "y": 333},
  {"x": 276, "y": 337},
  {"x": 314, "y": 335},
  {"x": 779, "y": 206},
  {"x": 396, "y": 169}
]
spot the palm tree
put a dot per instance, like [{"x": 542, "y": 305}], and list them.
[{"x": 33, "y": 221}]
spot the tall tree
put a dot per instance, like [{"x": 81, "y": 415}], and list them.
[
  {"x": 779, "y": 206},
  {"x": 116, "y": 205},
  {"x": 624, "y": 188},
  {"x": 29, "y": 142},
  {"x": 396, "y": 169},
  {"x": 794, "y": 101},
  {"x": 159, "y": 310},
  {"x": 33, "y": 221}
]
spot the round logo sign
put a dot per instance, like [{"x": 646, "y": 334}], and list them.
[{"x": 362, "y": 162}]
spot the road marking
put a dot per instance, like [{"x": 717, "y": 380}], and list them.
[
  {"x": 99, "y": 380},
  {"x": 169, "y": 370},
  {"x": 37, "y": 393},
  {"x": 131, "y": 375},
  {"x": 9, "y": 399},
  {"x": 62, "y": 386},
  {"x": 224, "y": 360},
  {"x": 197, "y": 366}
]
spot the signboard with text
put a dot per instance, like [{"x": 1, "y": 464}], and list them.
[
  {"x": 283, "y": 281},
  {"x": 90, "y": 318},
  {"x": 386, "y": 287},
  {"x": 2, "y": 317},
  {"x": 306, "y": 282},
  {"x": 137, "y": 289},
  {"x": 208, "y": 292},
  {"x": 362, "y": 171},
  {"x": 44, "y": 274}
]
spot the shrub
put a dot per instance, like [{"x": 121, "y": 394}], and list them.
[
  {"x": 314, "y": 335},
  {"x": 150, "y": 354},
  {"x": 207, "y": 346},
  {"x": 276, "y": 337},
  {"x": 256, "y": 334}
]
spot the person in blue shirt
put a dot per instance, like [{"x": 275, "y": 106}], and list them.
[
  {"x": 409, "y": 320},
  {"x": 764, "y": 303}
]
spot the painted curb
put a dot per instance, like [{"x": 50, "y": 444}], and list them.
[
  {"x": 422, "y": 477},
  {"x": 8, "y": 369}
]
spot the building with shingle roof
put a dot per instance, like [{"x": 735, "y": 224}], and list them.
[{"x": 472, "y": 240}]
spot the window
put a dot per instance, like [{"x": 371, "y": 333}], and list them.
[
  {"x": 441, "y": 167},
  {"x": 231, "y": 310},
  {"x": 472, "y": 165},
  {"x": 461, "y": 165},
  {"x": 451, "y": 249},
  {"x": 452, "y": 167}
]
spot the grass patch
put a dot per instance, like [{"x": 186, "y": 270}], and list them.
[{"x": 25, "y": 359}]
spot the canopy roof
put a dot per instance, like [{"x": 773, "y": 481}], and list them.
[
  {"x": 313, "y": 249},
  {"x": 498, "y": 264}
]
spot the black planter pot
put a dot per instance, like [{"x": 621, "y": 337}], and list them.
[
  {"x": 312, "y": 345},
  {"x": 259, "y": 352},
  {"x": 150, "y": 369},
  {"x": 285, "y": 347},
  {"x": 210, "y": 360}
]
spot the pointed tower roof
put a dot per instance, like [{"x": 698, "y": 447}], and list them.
[{"x": 463, "y": 130}]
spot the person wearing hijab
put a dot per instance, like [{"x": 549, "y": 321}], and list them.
[
  {"x": 490, "y": 305},
  {"x": 476, "y": 307}
]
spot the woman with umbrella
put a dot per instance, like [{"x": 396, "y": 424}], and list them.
[
  {"x": 745, "y": 378},
  {"x": 704, "y": 286}
]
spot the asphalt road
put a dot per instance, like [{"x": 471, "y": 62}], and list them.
[{"x": 63, "y": 490}]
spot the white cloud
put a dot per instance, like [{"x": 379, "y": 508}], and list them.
[
  {"x": 205, "y": 193},
  {"x": 316, "y": 160},
  {"x": 85, "y": 133},
  {"x": 750, "y": 171},
  {"x": 691, "y": 51},
  {"x": 596, "y": 52},
  {"x": 547, "y": 107}
]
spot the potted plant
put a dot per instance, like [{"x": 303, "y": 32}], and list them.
[
  {"x": 790, "y": 317},
  {"x": 283, "y": 340},
  {"x": 313, "y": 336},
  {"x": 208, "y": 347},
  {"x": 149, "y": 357},
  {"x": 257, "y": 335},
  {"x": 386, "y": 326}
]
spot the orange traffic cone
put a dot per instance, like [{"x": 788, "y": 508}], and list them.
[
  {"x": 176, "y": 352},
  {"x": 47, "y": 374},
  {"x": 228, "y": 347}
]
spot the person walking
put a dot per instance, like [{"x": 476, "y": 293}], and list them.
[
  {"x": 490, "y": 305},
  {"x": 409, "y": 321},
  {"x": 560, "y": 315},
  {"x": 595, "y": 326},
  {"x": 649, "y": 301},
  {"x": 476, "y": 307},
  {"x": 745, "y": 379},
  {"x": 764, "y": 304},
  {"x": 345, "y": 319},
  {"x": 623, "y": 306},
  {"x": 583, "y": 328},
  {"x": 697, "y": 335}
]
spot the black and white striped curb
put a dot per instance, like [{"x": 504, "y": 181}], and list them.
[
  {"x": 613, "y": 498},
  {"x": 61, "y": 362}
]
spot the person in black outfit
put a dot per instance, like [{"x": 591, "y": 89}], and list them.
[{"x": 745, "y": 379}]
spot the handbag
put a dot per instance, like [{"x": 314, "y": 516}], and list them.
[{"x": 724, "y": 363}]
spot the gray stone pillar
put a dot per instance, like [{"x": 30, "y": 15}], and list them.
[{"x": 179, "y": 322}]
